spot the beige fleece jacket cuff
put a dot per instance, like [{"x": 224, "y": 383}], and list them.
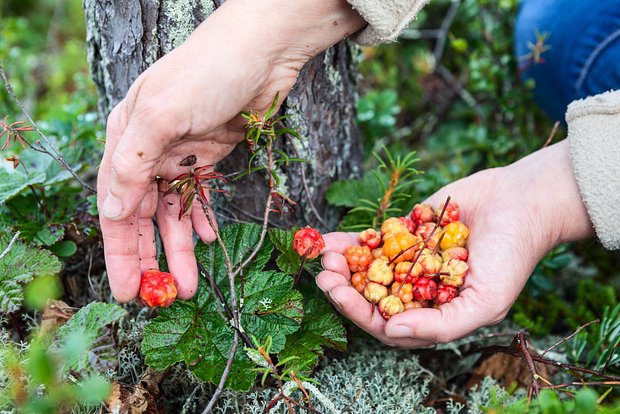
[
  {"x": 594, "y": 140},
  {"x": 386, "y": 19}
]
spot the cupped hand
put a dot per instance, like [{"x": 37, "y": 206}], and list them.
[
  {"x": 515, "y": 215},
  {"x": 183, "y": 113}
]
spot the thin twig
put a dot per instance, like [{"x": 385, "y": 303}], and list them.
[
  {"x": 10, "y": 246},
  {"x": 611, "y": 354},
  {"x": 521, "y": 345},
  {"x": 357, "y": 395},
  {"x": 304, "y": 182},
  {"x": 443, "y": 30},
  {"x": 54, "y": 153},
  {"x": 263, "y": 232},
  {"x": 560, "y": 342},
  {"x": 224, "y": 377},
  {"x": 463, "y": 93},
  {"x": 552, "y": 134}
]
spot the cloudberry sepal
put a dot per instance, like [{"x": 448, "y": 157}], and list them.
[
  {"x": 157, "y": 288},
  {"x": 308, "y": 242}
]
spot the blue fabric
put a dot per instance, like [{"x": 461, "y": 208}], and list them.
[{"x": 584, "y": 54}]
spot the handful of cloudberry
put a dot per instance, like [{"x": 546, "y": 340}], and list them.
[
  {"x": 158, "y": 288},
  {"x": 412, "y": 262}
]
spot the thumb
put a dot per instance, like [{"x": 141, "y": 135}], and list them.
[
  {"x": 128, "y": 165},
  {"x": 450, "y": 321}
]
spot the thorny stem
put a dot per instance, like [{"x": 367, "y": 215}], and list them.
[
  {"x": 10, "y": 246},
  {"x": 443, "y": 211},
  {"x": 54, "y": 153}
]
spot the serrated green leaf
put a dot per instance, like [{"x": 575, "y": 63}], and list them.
[
  {"x": 289, "y": 260},
  {"x": 193, "y": 332},
  {"x": 240, "y": 240},
  {"x": 272, "y": 308},
  {"x": 13, "y": 184},
  {"x": 320, "y": 328},
  {"x": 90, "y": 323},
  {"x": 53, "y": 171},
  {"x": 19, "y": 266}
]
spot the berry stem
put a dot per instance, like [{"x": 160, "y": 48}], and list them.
[{"x": 301, "y": 268}]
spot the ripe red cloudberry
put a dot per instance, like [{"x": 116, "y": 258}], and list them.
[
  {"x": 158, "y": 288},
  {"x": 424, "y": 289},
  {"x": 370, "y": 238},
  {"x": 445, "y": 293},
  {"x": 451, "y": 214},
  {"x": 422, "y": 213},
  {"x": 308, "y": 242}
]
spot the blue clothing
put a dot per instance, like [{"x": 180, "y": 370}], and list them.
[{"x": 584, "y": 54}]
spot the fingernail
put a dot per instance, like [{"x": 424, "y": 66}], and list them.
[
  {"x": 398, "y": 331},
  {"x": 322, "y": 265},
  {"x": 319, "y": 285},
  {"x": 112, "y": 207}
]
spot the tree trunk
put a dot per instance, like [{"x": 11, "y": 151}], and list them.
[{"x": 126, "y": 36}]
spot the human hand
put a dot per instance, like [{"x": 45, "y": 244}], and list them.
[
  {"x": 515, "y": 215},
  {"x": 188, "y": 104}
]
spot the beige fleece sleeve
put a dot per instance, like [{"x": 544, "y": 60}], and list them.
[
  {"x": 386, "y": 19},
  {"x": 594, "y": 140}
]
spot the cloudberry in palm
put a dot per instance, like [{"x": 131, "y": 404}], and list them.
[{"x": 358, "y": 258}]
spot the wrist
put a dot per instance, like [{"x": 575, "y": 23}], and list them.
[
  {"x": 551, "y": 191},
  {"x": 296, "y": 30}
]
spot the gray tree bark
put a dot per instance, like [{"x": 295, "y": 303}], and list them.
[{"x": 126, "y": 36}]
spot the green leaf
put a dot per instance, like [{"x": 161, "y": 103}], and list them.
[
  {"x": 197, "y": 333},
  {"x": 240, "y": 240},
  {"x": 93, "y": 390},
  {"x": 19, "y": 266},
  {"x": 289, "y": 261},
  {"x": 40, "y": 290},
  {"x": 320, "y": 328},
  {"x": 89, "y": 323},
  {"x": 585, "y": 401},
  {"x": 194, "y": 332},
  {"x": 347, "y": 193},
  {"x": 53, "y": 171},
  {"x": 15, "y": 183},
  {"x": 272, "y": 308},
  {"x": 64, "y": 248}
]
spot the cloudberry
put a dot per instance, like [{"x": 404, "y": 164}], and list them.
[
  {"x": 358, "y": 258},
  {"x": 403, "y": 245},
  {"x": 456, "y": 270},
  {"x": 405, "y": 293},
  {"x": 158, "y": 288},
  {"x": 377, "y": 253},
  {"x": 431, "y": 263},
  {"x": 403, "y": 269},
  {"x": 451, "y": 214},
  {"x": 411, "y": 226},
  {"x": 424, "y": 289},
  {"x": 390, "y": 306},
  {"x": 308, "y": 242},
  {"x": 422, "y": 213},
  {"x": 370, "y": 238},
  {"x": 380, "y": 272},
  {"x": 445, "y": 293},
  {"x": 425, "y": 230},
  {"x": 359, "y": 280},
  {"x": 392, "y": 226},
  {"x": 460, "y": 253},
  {"x": 455, "y": 235},
  {"x": 374, "y": 292},
  {"x": 414, "y": 304}
]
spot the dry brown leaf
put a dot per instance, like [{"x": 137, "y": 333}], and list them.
[
  {"x": 55, "y": 314},
  {"x": 508, "y": 370},
  {"x": 136, "y": 399}
]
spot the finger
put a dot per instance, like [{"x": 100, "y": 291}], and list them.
[
  {"x": 178, "y": 243},
  {"x": 339, "y": 241},
  {"x": 328, "y": 280},
  {"x": 353, "y": 306},
  {"x": 201, "y": 224},
  {"x": 336, "y": 262},
  {"x": 133, "y": 159},
  {"x": 147, "y": 252},
  {"x": 450, "y": 321}
]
